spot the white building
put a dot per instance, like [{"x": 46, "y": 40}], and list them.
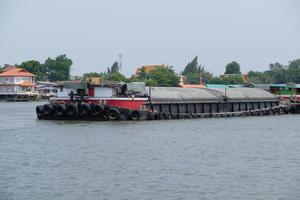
[
  {"x": 47, "y": 89},
  {"x": 16, "y": 82}
]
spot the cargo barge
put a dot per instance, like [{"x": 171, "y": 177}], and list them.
[{"x": 134, "y": 101}]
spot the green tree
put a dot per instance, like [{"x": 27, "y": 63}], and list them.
[
  {"x": 233, "y": 80},
  {"x": 255, "y": 77},
  {"x": 215, "y": 80},
  {"x": 142, "y": 74},
  {"x": 293, "y": 71},
  {"x": 227, "y": 80},
  {"x": 151, "y": 83},
  {"x": 114, "y": 68},
  {"x": 191, "y": 67},
  {"x": 194, "y": 72},
  {"x": 58, "y": 69},
  {"x": 36, "y": 68},
  {"x": 233, "y": 68},
  {"x": 94, "y": 74},
  {"x": 193, "y": 78},
  {"x": 116, "y": 76},
  {"x": 164, "y": 76},
  {"x": 277, "y": 72}
]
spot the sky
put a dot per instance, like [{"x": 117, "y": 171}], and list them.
[{"x": 93, "y": 33}]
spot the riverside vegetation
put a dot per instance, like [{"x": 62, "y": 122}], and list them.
[{"x": 58, "y": 69}]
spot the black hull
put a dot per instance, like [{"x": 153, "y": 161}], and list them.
[{"x": 146, "y": 115}]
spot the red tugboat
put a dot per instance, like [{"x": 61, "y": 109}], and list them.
[
  {"x": 105, "y": 101},
  {"x": 133, "y": 101},
  {"x": 109, "y": 94}
]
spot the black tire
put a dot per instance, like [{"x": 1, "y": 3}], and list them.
[
  {"x": 169, "y": 116},
  {"x": 39, "y": 111},
  {"x": 293, "y": 109},
  {"x": 72, "y": 110},
  {"x": 151, "y": 116},
  {"x": 84, "y": 108},
  {"x": 173, "y": 115},
  {"x": 180, "y": 116},
  {"x": 157, "y": 116},
  {"x": 96, "y": 110},
  {"x": 163, "y": 116},
  {"x": 134, "y": 115},
  {"x": 60, "y": 109},
  {"x": 48, "y": 109},
  {"x": 286, "y": 110},
  {"x": 113, "y": 114}
]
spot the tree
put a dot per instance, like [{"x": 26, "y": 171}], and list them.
[
  {"x": 191, "y": 67},
  {"x": 58, "y": 69},
  {"x": 164, "y": 76},
  {"x": 202, "y": 73},
  {"x": 142, "y": 74},
  {"x": 36, "y": 68},
  {"x": 114, "y": 67},
  {"x": 151, "y": 83},
  {"x": 233, "y": 80},
  {"x": 233, "y": 68},
  {"x": 215, "y": 80},
  {"x": 116, "y": 76},
  {"x": 255, "y": 77},
  {"x": 227, "y": 80},
  {"x": 94, "y": 74},
  {"x": 277, "y": 72},
  {"x": 194, "y": 72},
  {"x": 293, "y": 71}
]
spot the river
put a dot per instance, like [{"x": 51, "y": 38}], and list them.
[{"x": 224, "y": 158}]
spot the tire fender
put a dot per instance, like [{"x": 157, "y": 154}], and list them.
[
  {"x": 60, "y": 109},
  {"x": 113, "y": 113},
  {"x": 134, "y": 115},
  {"x": 48, "y": 109},
  {"x": 72, "y": 109},
  {"x": 84, "y": 108}
]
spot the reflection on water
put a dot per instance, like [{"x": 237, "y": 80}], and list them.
[{"x": 233, "y": 158}]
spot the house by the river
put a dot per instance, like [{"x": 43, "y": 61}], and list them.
[{"x": 17, "y": 84}]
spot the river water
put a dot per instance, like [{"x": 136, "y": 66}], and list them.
[{"x": 225, "y": 158}]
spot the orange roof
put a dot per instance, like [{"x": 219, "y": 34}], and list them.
[
  {"x": 15, "y": 71},
  {"x": 26, "y": 84},
  {"x": 192, "y": 86}
]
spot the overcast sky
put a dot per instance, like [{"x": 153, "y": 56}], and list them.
[{"x": 93, "y": 33}]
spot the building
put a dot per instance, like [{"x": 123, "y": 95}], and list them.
[
  {"x": 183, "y": 85},
  {"x": 92, "y": 87},
  {"x": 47, "y": 89},
  {"x": 17, "y": 84},
  {"x": 244, "y": 77}
]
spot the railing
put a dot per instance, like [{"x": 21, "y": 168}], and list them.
[{"x": 19, "y": 92}]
